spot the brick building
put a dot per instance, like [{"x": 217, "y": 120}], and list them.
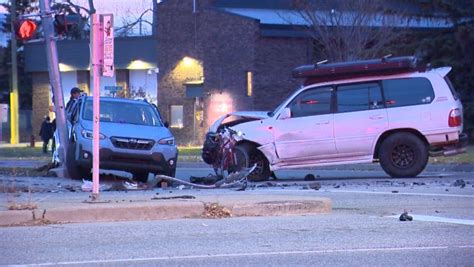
[
  {"x": 135, "y": 72},
  {"x": 214, "y": 60}
]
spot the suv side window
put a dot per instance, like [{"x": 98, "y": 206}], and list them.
[
  {"x": 312, "y": 102},
  {"x": 406, "y": 92},
  {"x": 357, "y": 97}
]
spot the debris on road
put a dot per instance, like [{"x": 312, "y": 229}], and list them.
[
  {"x": 215, "y": 211},
  {"x": 207, "y": 180},
  {"x": 405, "y": 217},
  {"x": 460, "y": 183},
  {"x": 315, "y": 186},
  {"x": 130, "y": 186},
  {"x": 238, "y": 178}
]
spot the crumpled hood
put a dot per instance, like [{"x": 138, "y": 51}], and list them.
[
  {"x": 122, "y": 130},
  {"x": 242, "y": 114}
]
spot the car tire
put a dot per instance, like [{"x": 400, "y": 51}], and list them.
[
  {"x": 75, "y": 171},
  {"x": 403, "y": 155},
  {"x": 249, "y": 156}
]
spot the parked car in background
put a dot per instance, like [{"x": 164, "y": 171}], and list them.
[
  {"x": 133, "y": 138},
  {"x": 390, "y": 111}
]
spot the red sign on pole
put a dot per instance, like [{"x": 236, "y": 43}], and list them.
[{"x": 107, "y": 21}]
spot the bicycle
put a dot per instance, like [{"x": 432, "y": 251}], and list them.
[{"x": 227, "y": 160}]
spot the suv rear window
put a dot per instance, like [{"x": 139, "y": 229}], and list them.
[{"x": 408, "y": 91}]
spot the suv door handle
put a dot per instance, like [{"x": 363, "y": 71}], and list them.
[
  {"x": 322, "y": 122},
  {"x": 376, "y": 117}
]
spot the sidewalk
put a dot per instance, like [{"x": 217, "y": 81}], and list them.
[
  {"x": 6, "y": 144},
  {"x": 158, "y": 204}
]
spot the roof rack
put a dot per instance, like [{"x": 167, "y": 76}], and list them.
[{"x": 386, "y": 65}]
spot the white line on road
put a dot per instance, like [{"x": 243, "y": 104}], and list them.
[
  {"x": 399, "y": 193},
  {"x": 266, "y": 253},
  {"x": 371, "y": 192},
  {"x": 426, "y": 218}
]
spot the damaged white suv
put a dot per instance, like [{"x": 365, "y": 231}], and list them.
[{"x": 389, "y": 110}]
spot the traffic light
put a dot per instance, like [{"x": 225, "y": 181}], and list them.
[
  {"x": 25, "y": 29},
  {"x": 64, "y": 23}
]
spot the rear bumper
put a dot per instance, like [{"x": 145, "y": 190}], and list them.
[
  {"x": 451, "y": 149},
  {"x": 154, "y": 162}
]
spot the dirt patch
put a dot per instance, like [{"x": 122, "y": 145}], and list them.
[{"x": 215, "y": 211}]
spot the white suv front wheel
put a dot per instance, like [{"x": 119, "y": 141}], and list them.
[
  {"x": 403, "y": 154},
  {"x": 251, "y": 156}
]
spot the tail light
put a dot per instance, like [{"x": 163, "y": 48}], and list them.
[{"x": 455, "y": 118}]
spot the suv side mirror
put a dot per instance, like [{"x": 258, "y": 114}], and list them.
[
  {"x": 285, "y": 114},
  {"x": 166, "y": 124}
]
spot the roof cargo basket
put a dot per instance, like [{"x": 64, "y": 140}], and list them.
[{"x": 387, "y": 65}]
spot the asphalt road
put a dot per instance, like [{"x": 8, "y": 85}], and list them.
[
  {"x": 363, "y": 229},
  {"x": 337, "y": 239}
]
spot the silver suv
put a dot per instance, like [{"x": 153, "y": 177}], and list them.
[{"x": 133, "y": 138}]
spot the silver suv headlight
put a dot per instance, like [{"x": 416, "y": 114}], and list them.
[
  {"x": 88, "y": 134},
  {"x": 167, "y": 141}
]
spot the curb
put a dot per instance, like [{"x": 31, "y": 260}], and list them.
[
  {"x": 281, "y": 208},
  {"x": 164, "y": 210}
]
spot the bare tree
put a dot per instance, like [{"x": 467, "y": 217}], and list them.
[
  {"x": 128, "y": 23},
  {"x": 348, "y": 29}
]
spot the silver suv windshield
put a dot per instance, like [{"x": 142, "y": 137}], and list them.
[{"x": 123, "y": 112}]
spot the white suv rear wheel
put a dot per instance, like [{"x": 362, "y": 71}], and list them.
[{"x": 403, "y": 154}]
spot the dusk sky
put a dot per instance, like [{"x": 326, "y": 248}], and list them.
[{"x": 123, "y": 10}]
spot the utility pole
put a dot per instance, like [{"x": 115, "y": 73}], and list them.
[
  {"x": 55, "y": 80},
  {"x": 96, "y": 62},
  {"x": 14, "y": 118}
]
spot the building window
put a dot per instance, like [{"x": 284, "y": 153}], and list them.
[
  {"x": 249, "y": 83},
  {"x": 176, "y": 116}
]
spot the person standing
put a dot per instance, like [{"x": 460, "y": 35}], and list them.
[
  {"x": 53, "y": 143},
  {"x": 46, "y": 133},
  {"x": 75, "y": 94}
]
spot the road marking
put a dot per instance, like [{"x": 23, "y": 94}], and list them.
[
  {"x": 265, "y": 253},
  {"x": 370, "y": 192},
  {"x": 426, "y": 218},
  {"x": 399, "y": 193}
]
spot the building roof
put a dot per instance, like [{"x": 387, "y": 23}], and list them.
[
  {"x": 278, "y": 18},
  {"x": 415, "y": 7},
  {"x": 75, "y": 53},
  {"x": 290, "y": 17}
]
